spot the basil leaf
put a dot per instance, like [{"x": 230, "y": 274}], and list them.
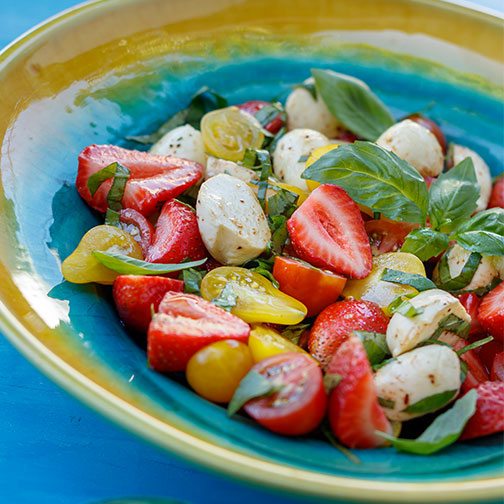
[
  {"x": 375, "y": 345},
  {"x": 308, "y": 86},
  {"x": 270, "y": 143},
  {"x": 355, "y": 106},
  {"x": 264, "y": 267},
  {"x": 483, "y": 233},
  {"x": 442, "y": 276},
  {"x": 283, "y": 202},
  {"x": 192, "y": 280},
  {"x": 116, "y": 192},
  {"x": 264, "y": 167},
  {"x": 383, "y": 363},
  {"x": 331, "y": 381},
  {"x": 442, "y": 432},
  {"x": 249, "y": 158},
  {"x": 425, "y": 243},
  {"x": 431, "y": 403},
  {"x": 376, "y": 178},
  {"x": 126, "y": 265},
  {"x": 453, "y": 196},
  {"x": 112, "y": 218},
  {"x": 253, "y": 385},
  {"x": 386, "y": 403},
  {"x": 97, "y": 179},
  {"x": 269, "y": 113},
  {"x": 404, "y": 307},
  {"x": 226, "y": 299},
  {"x": 419, "y": 282},
  {"x": 293, "y": 333},
  {"x": 279, "y": 234},
  {"x": 452, "y": 324},
  {"x": 474, "y": 345}
]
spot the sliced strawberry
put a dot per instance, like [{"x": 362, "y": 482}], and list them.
[
  {"x": 153, "y": 178},
  {"x": 274, "y": 124},
  {"x": 497, "y": 373},
  {"x": 488, "y": 418},
  {"x": 488, "y": 352},
  {"x": 135, "y": 296},
  {"x": 497, "y": 196},
  {"x": 491, "y": 312},
  {"x": 138, "y": 226},
  {"x": 335, "y": 324},
  {"x": 354, "y": 412},
  {"x": 327, "y": 231},
  {"x": 185, "y": 323},
  {"x": 471, "y": 304},
  {"x": 177, "y": 237}
]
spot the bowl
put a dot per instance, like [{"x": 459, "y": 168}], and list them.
[{"x": 106, "y": 70}]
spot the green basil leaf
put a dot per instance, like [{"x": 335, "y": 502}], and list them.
[
  {"x": 283, "y": 202},
  {"x": 425, "y": 243},
  {"x": 253, "y": 385},
  {"x": 331, "y": 381},
  {"x": 293, "y": 333},
  {"x": 474, "y": 345},
  {"x": 383, "y": 363},
  {"x": 249, "y": 158},
  {"x": 376, "y": 178},
  {"x": 404, "y": 307},
  {"x": 431, "y": 403},
  {"x": 269, "y": 113},
  {"x": 355, "y": 106},
  {"x": 279, "y": 234},
  {"x": 126, "y": 265},
  {"x": 227, "y": 298},
  {"x": 453, "y": 196},
  {"x": 483, "y": 233},
  {"x": 308, "y": 86},
  {"x": 452, "y": 324},
  {"x": 442, "y": 432},
  {"x": 97, "y": 179},
  {"x": 419, "y": 282},
  {"x": 112, "y": 218},
  {"x": 375, "y": 345},
  {"x": 442, "y": 276},
  {"x": 270, "y": 143},
  {"x": 386, "y": 403},
  {"x": 192, "y": 280},
  {"x": 116, "y": 192}
]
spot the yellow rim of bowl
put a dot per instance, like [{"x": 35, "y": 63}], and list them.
[{"x": 197, "y": 450}]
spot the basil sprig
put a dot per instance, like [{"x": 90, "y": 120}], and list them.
[
  {"x": 354, "y": 105},
  {"x": 425, "y": 243},
  {"x": 442, "y": 432},
  {"x": 419, "y": 282}
]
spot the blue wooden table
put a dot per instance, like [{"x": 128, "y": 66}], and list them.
[{"x": 55, "y": 450}]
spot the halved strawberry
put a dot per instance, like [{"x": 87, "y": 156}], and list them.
[
  {"x": 497, "y": 196},
  {"x": 491, "y": 312},
  {"x": 488, "y": 418},
  {"x": 335, "y": 324},
  {"x": 471, "y": 302},
  {"x": 354, "y": 412},
  {"x": 177, "y": 237},
  {"x": 497, "y": 373},
  {"x": 184, "y": 324},
  {"x": 273, "y": 123},
  {"x": 153, "y": 178},
  {"x": 136, "y": 295},
  {"x": 327, "y": 231},
  {"x": 138, "y": 226}
]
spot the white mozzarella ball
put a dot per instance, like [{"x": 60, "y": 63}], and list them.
[
  {"x": 498, "y": 264},
  {"x": 482, "y": 173},
  {"x": 415, "y": 376},
  {"x": 416, "y": 145},
  {"x": 231, "y": 221},
  {"x": 215, "y": 166},
  {"x": 291, "y": 152},
  {"x": 183, "y": 142},
  {"x": 405, "y": 333}
]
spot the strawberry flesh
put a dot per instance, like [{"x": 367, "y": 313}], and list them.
[{"x": 491, "y": 312}]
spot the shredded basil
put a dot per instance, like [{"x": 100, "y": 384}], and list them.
[
  {"x": 419, "y": 282},
  {"x": 443, "y": 279},
  {"x": 293, "y": 333},
  {"x": 386, "y": 403},
  {"x": 431, "y": 403},
  {"x": 192, "y": 280},
  {"x": 452, "y": 323},
  {"x": 474, "y": 345},
  {"x": 375, "y": 345}
]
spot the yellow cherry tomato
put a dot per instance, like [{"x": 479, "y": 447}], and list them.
[
  {"x": 265, "y": 342},
  {"x": 228, "y": 132},
  {"x": 257, "y": 300},
  {"x": 315, "y": 156},
  {"x": 383, "y": 293},
  {"x": 215, "y": 371},
  {"x": 81, "y": 266}
]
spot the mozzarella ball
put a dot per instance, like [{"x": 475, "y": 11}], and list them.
[
  {"x": 482, "y": 173},
  {"x": 231, "y": 221},
  {"x": 291, "y": 153},
  {"x": 182, "y": 142},
  {"x": 414, "y": 376},
  {"x": 498, "y": 264},
  {"x": 215, "y": 166},
  {"x": 405, "y": 333},
  {"x": 416, "y": 145}
]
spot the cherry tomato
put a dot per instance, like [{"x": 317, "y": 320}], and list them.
[
  {"x": 215, "y": 371},
  {"x": 256, "y": 298},
  {"x": 314, "y": 287},
  {"x": 432, "y": 127},
  {"x": 497, "y": 196},
  {"x": 253, "y": 106},
  {"x": 299, "y": 406},
  {"x": 228, "y": 132},
  {"x": 265, "y": 342},
  {"x": 386, "y": 235},
  {"x": 471, "y": 302},
  {"x": 137, "y": 226},
  {"x": 81, "y": 266},
  {"x": 498, "y": 367}
]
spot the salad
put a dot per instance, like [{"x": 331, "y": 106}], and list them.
[{"x": 318, "y": 265}]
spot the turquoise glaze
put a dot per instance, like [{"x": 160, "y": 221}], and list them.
[{"x": 51, "y": 218}]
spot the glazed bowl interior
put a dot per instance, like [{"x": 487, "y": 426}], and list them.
[{"x": 107, "y": 70}]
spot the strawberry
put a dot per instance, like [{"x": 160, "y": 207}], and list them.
[
  {"x": 471, "y": 304},
  {"x": 136, "y": 295},
  {"x": 274, "y": 123},
  {"x": 491, "y": 312},
  {"x": 497, "y": 196},
  {"x": 327, "y": 231},
  {"x": 354, "y": 412},
  {"x": 138, "y": 226},
  {"x": 335, "y": 324},
  {"x": 488, "y": 417},
  {"x": 186, "y": 323},
  {"x": 177, "y": 237},
  {"x": 488, "y": 352},
  {"x": 497, "y": 373},
  {"x": 153, "y": 178}
]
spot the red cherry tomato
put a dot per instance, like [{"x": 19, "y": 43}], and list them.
[
  {"x": 315, "y": 288},
  {"x": 471, "y": 303},
  {"x": 432, "y": 127},
  {"x": 253, "y": 106},
  {"x": 300, "y": 405},
  {"x": 497, "y": 373},
  {"x": 138, "y": 226},
  {"x": 386, "y": 235},
  {"x": 497, "y": 197}
]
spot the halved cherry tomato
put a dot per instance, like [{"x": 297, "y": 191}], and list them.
[
  {"x": 253, "y": 106},
  {"x": 256, "y": 298},
  {"x": 432, "y": 127},
  {"x": 498, "y": 367},
  {"x": 299, "y": 406},
  {"x": 265, "y": 342},
  {"x": 314, "y": 287},
  {"x": 137, "y": 226},
  {"x": 386, "y": 235},
  {"x": 215, "y": 371}
]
